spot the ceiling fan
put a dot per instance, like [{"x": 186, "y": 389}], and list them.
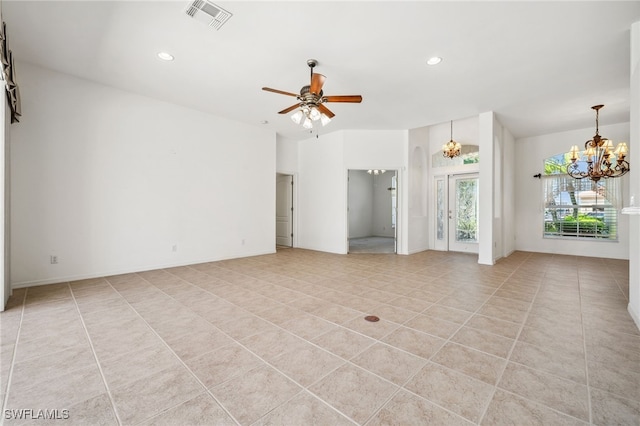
[{"x": 311, "y": 100}]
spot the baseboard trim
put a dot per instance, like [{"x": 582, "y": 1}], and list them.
[{"x": 58, "y": 280}]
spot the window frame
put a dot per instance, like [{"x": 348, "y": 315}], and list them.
[{"x": 578, "y": 209}]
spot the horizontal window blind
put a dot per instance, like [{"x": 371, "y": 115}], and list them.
[{"x": 580, "y": 208}]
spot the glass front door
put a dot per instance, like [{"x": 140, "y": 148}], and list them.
[{"x": 456, "y": 213}]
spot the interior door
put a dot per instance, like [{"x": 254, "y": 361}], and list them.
[
  {"x": 463, "y": 213},
  {"x": 284, "y": 210},
  {"x": 456, "y": 210}
]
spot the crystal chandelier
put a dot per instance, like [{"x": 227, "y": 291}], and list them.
[
  {"x": 602, "y": 160},
  {"x": 452, "y": 148}
]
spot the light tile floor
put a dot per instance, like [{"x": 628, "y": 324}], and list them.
[
  {"x": 372, "y": 245},
  {"x": 281, "y": 340}
]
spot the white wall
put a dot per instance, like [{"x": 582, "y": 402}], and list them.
[
  {"x": 634, "y": 177},
  {"x": 110, "y": 182},
  {"x": 487, "y": 129},
  {"x": 509, "y": 168},
  {"x": 530, "y": 154},
  {"x": 382, "y": 212},
  {"x": 323, "y": 164},
  {"x": 360, "y": 199},
  {"x": 419, "y": 190},
  {"x": 5, "y": 209},
  {"x": 322, "y": 194},
  {"x": 286, "y": 156}
]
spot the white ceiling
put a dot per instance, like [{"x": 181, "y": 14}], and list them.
[{"x": 539, "y": 65}]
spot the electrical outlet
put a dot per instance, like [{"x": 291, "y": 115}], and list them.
[
  {"x": 53, "y": 259},
  {"x": 174, "y": 247}
]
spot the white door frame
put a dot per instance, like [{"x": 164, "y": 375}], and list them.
[
  {"x": 5, "y": 201},
  {"x": 291, "y": 222},
  {"x": 395, "y": 172}
]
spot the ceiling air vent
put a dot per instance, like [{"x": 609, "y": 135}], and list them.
[{"x": 208, "y": 13}]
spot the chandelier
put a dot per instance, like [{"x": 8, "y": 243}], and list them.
[
  {"x": 452, "y": 148},
  {"x": 602, "y": 160}
]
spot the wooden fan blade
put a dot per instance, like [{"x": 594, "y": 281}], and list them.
[
  {"x": 326, "y": 111},
  {"x": 291, "y": 108},
  {"x": 269, "y": 89},
  {"x": 317, "y": 81},
  {"x": 343, "y": 98}
]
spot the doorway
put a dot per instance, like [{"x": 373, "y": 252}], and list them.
[
  {"x": 457, "y": 207},
  {"x": 284, "y": 210},
  {"x": 372, "y": 211}
]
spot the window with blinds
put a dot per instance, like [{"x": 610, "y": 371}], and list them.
[{"x": 579, "y": 208}]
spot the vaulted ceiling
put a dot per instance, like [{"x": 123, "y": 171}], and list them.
[{"x": 539, "y": 66}]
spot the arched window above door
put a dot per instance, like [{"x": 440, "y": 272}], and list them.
[{"x": 469, "y": 155}]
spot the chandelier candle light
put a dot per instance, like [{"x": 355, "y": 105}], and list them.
[
  {"x": 602, "y": 160},
  {"x": 452, "y": 148}
]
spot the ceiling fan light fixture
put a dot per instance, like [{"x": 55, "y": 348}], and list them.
[
  {"x": 314, "y": 114},
  {"x": 297, "y": 116},
  {"x": 311, "y": 99},
  {"x": 325, "y": 119}
]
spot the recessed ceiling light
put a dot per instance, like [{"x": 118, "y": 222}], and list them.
[
  {"x": 165, "y": 56},
  {"x": 434, "y": 61}
]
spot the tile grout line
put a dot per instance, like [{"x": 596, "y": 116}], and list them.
[
  {"x": 303, "y": 388},
  {"x": 229, "y": 283},
  {"x": 534, "y": 369},
  {"x": 515, "y": 340},
  {"x": 429, "y": 360},
  {"x": 153, "y": 330},
  {"x": 95, "y": 356},
  {"x": 13, "y": 357},
  {"x": 399, "y": 388},
  {"x": 304, "y": 391},
  {"x": 346, "y": 361},
  {"x": 584, "y": 347},
  {"x": 531, "y": 368}
]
